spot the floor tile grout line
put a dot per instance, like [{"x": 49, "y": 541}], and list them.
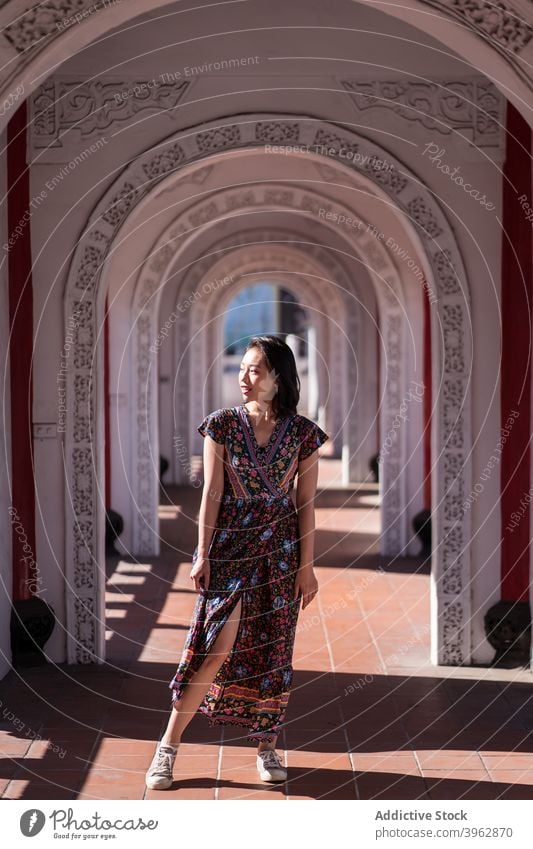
[
  {"x": 18, "y": 766},
  {"x": 339, "y": 704},
  {"x": 406, "y": 611},
  {"x": 515, "y": 709},
  {"x": 285, "y": 784},
  {"x": 83, "y": 775},
  {"x": 386, "y": 675},
  {"x": 219, "y": 765},
  {"x": 423, "y": 777},
  {"x": 392, "y": 693},
  {"x": 370, "y": 630}
]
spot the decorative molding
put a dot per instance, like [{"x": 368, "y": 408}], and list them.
[
  {"x": 473, "y": 108},
  {"x": 45, "y": 430},
  {"x": 452, "y": 471},
  {"x": 39, "y": 22},
  {"x": 67, "y": 113},
  {"x": 36, "y": 36},
  {"x": 503, "y": 24}
]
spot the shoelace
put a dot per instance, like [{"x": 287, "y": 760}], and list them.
[
  {"x": 270, "y": 758},
  {"x": 164, "y": 762}
]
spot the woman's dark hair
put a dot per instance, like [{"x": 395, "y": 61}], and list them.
[{"x": 279, "y": 357}]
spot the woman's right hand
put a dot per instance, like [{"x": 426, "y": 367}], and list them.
[{"x": 200, "y": 574}]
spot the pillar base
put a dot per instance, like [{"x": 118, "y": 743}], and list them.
[
  {"x": 508, "y": 630},
  {"x": 32, "y": 623}
]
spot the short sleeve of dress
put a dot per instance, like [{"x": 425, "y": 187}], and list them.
[
  {"x": 214, "y": 426},
  {"x": 313, "y": 437}
]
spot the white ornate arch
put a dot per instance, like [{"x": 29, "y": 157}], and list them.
[
  {"x": 291, "y": 266},
  {"x": 35, "y": 40},
  {"x": 307, "y": 279},
  {"x": 346, "y": 427},
  {"x": 451, "y": 436},
  {"x": 375, "y": 257}
]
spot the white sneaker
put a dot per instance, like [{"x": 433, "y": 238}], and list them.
[
  {"x": 159, "y": 775},
  {"x": 269, "y": 766}
]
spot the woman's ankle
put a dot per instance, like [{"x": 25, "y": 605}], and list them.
[{"x": 167, "y": 742}]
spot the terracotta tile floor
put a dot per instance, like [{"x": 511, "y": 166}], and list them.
[{"x": 369, "y": 716}]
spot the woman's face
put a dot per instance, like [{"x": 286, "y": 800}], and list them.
[{"x": 256, "y": 382}]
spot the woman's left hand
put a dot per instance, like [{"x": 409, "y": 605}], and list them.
[{"x": 306, "y": 584}]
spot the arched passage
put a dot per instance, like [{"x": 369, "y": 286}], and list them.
[
  {"x": 451, "y": 437},
  {"x": 365, "y": 249},
  {"x": 495, "y": 38},
  {"x": 351, "y": 429}
]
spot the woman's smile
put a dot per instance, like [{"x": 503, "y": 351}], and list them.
[{"x": 262, "y": 380}]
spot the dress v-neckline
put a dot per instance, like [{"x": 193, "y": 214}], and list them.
[{"x": 252, "y": 432}]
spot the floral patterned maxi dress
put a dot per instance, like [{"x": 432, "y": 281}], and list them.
[{"x": 253, "y": 556}]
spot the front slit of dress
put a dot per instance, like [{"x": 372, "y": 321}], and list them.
[{"x": 192, "y": 661}]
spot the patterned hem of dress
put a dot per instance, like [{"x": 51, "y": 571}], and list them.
[{"x": 233, "y": 720}]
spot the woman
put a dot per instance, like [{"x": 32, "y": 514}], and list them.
[{"x": 253, "y": 563}]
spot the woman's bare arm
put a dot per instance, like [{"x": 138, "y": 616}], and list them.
[
  {"x": 306, "y": 582},
  {"x": 212, "y": 493},
  {"x": 305, "y": 506}
]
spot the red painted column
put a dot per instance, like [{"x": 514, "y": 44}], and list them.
[
  {"x": 107, "y": 411},
  {"x": 20, "y": 356},
  {"x": 427, "y": 400},
  {"x": 517, "y": 268},
  {"x": 378, "y": 381}
]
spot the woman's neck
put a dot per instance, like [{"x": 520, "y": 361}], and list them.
[{"x": 262, "y": 410}]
